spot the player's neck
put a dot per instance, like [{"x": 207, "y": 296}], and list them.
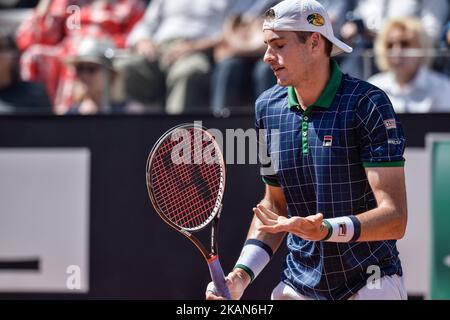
[{"x": 310, "y": 88}]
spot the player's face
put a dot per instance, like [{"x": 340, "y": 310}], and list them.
[{"x": 287, "y": 56}]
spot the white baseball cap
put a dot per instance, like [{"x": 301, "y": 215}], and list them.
[
  {"x": 304, "y": 15},
  {"x": 94, "y": 50}
]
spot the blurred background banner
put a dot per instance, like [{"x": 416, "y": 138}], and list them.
[
  {"x": 44, "y": 221},
  {"x": 439, "y": 145}
]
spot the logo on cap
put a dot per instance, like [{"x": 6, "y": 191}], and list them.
[{"x": 316, "y": 19}]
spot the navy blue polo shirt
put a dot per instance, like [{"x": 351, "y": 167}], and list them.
[{"x": 321, "y": 155}]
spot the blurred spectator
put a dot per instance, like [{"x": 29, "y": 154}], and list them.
[
  {"x": 17, "y": 96},
  {"x": 442, "y": 61},
  {"x": 174, "y": 41},
  {"x": 370, "y": 15},
  {"x": 446, "y": 35},
  {"x": 337, "y": 10},
  {"x": 56, "y": 29},
  {"x": 95, "y": 71},
  {"x": 374, "y": 14},
  {"x": 240, "y": 75},
  {"x": 403, "y": 52}
]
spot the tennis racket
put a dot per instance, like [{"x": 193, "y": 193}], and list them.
[{"x": 186, "y": 183}]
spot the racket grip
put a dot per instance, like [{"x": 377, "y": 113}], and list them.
[{"x": 218, "y": 278}]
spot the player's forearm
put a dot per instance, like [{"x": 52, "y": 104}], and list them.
[
  {"x": 256, "y": 253},
  {"x": 383, "y": 223},
  {"x": 388, "y": 220},
  {"x": 272, "y": 240},
  {"x": 258, "y": 249}
]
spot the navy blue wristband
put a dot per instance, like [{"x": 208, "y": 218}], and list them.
[{"x": 357, "y": 228}]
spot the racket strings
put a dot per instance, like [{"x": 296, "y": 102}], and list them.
[
  {"x": 186, "y": 193},
  {"x": 198, "y": 206}
]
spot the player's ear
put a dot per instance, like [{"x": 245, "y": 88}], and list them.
[{"x": 315, "y": 40}]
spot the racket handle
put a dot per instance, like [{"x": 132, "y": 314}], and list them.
[{"x": 218, "y": 278}]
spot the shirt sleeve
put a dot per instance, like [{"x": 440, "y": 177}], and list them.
[{"x": 381, "y": 138}]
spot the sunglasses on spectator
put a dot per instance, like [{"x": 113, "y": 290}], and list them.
[
  {"x": 401, "y": 43},
  {"x": 87, "y": 68}
]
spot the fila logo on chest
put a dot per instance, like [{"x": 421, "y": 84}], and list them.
[{"x": 328, "y": 141}]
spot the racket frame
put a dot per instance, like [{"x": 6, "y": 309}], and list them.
[
  {"x": 212, "y": 258},
  {"x": 215, "y": 214}
]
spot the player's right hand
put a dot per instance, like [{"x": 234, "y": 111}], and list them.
[{"x": 237, "y": 281}]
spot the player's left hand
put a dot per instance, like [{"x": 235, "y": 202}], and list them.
[{"x": 309, "y": 228}]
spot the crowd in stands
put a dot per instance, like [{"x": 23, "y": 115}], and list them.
[{"x": 159, "y": 56}]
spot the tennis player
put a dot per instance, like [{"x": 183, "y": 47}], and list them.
[{"x": 339, "y": 189}]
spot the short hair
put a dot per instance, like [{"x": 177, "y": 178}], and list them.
[
  {"x": 304, "y": 35},
  {"x": 409, "y": 24}
]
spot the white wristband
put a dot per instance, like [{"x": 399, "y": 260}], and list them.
[
  {"x": 343, "y": 229},
  {"x": 254, "y": 257}
]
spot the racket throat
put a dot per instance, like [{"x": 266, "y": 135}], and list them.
[
  {"x": 215, "y": 232},
  {"x": 212, "y": 258}
]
